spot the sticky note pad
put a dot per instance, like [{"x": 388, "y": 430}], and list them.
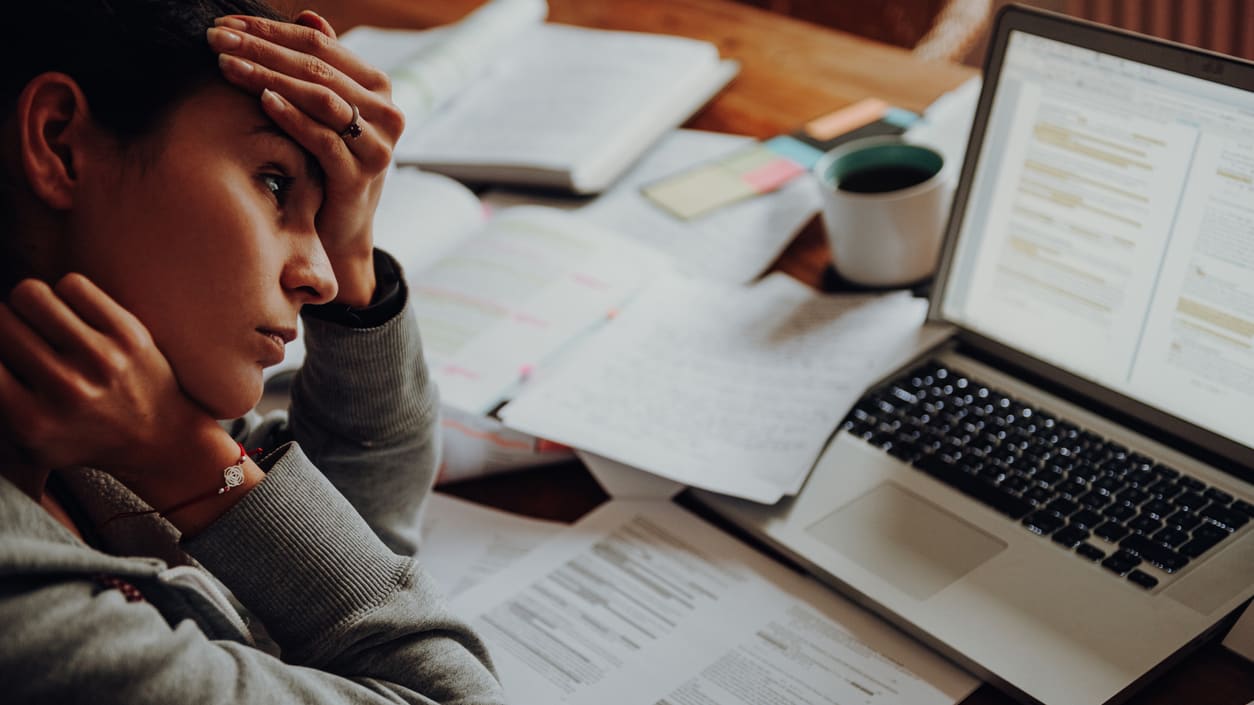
[
  {"x": 697, "y": 191},
  {"x": 737, "y": 176}
]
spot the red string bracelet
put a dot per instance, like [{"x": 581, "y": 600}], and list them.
[{"x": 232, "y": 477}]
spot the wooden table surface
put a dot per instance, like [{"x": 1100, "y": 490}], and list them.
[{"x": 791, "y": 71}]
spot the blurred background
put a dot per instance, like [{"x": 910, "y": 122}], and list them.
[{"x": 956, "y": 29}]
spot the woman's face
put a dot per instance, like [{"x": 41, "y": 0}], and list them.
[{"x": 210, "y": 242}]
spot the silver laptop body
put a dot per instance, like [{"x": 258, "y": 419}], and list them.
[{"x": 1099, "y": 271}]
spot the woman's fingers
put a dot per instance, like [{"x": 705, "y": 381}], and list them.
[
  {"x": 313, "y": 20},
  {"x": 100, "y": 311},
  {"x": 310, "y": 41},
  {"x": 328, "y": 145},
  {"x": 41, "y": 309},
  {"x": 319, "y": 99},
  {"x": 30, "y": 358}
]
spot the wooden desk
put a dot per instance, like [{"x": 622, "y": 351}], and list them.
[{"x": 791, "y": 71}]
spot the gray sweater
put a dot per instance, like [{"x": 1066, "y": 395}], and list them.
[{"x": 335, "y": 614}]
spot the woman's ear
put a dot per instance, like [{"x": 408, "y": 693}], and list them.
[{"x": 54, "y": 125}]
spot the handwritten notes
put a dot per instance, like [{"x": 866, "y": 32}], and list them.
[
  {"x": 732, "y": 389},
  {"x": 503, "y": 302}
]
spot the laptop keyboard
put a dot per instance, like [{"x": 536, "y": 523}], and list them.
[{"x": 1057, "y": 479}]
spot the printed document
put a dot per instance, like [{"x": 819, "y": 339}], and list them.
[
  {"x": 464, "y": 543},
  {"x": 731, "y": 389},
  {"x": 642, "y": 603}
]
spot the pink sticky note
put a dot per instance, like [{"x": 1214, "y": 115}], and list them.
[{"x": 772, "y": 175}]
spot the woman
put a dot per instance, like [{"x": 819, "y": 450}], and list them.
[{"x": 180, "y": 181}]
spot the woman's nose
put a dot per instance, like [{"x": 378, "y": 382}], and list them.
[{"x": 310, "y": 274}]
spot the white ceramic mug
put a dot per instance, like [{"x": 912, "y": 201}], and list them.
[{"x": 881, "y": 237}]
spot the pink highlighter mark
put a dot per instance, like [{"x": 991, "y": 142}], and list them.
[
  {"x": 530, "y": 320},
  {"x": 457, "y": 371},
  {"x": 591, "y": 282},
  {"x": 772, "y": 175}
]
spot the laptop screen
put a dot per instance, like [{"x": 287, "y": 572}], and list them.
[{"x": 1109, "y": 230}]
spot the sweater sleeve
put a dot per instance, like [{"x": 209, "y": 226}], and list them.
[
  {"x": 334, "y": 597},
  {"x": 357, "y": 623},
  {"x": 366, "y": 413}
]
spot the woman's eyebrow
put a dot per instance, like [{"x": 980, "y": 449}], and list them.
[{"x": 312, "y": 168}]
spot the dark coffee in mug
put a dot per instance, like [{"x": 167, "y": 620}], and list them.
[{"x": 881, "y": 178}]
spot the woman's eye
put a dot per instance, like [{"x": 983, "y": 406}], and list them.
[{"x": 278, "y": 185}]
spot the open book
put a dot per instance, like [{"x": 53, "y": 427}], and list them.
[{"x": 504, "y": 97}]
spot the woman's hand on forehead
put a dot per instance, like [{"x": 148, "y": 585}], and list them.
[{"x": 335, "y": 106}]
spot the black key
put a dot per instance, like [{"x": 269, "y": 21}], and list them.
[
  {"x": 1070, "y": 536},
  {"x": 1112, "y": 531},
  {"x": 1086, "y": 519},
  {"x": 1107, "y": 485},
  {"x": 1119, "y": 512},
  {"x": 1144, "y": 524},
  {"x": 1197, "y": 546},
  {"x": 1139, "y": 478},
  {"x": 1083, "y": 473},
  {"x": 1154, "y": 553},
  {"x": 1191, "y": 483},
  {"x": 1157, "y": 508},
  {"x": 1121, "y": 562},
  {"x": 1184, "y": 521},
  {"x": 904, "y": 451},
  {"x": 1145, "y": 580},
  {"x": 1048, "y": 477},
  {"x": 1062, "y": 507},
  {"x": 1091, "y": 552},
  {"x": 1244, "y": 507},
  {"x": 992, "y": 474},
  {"x": 1133, "y": 495},
  {"x": 1043, "y": 522},
  {"x": 1072, "y": 487},
  {"x": 1167, "y": 472},
  {"x": 1037, "y": 496},
  {"x": 1007, "y": 504},
  {"x": 1189, "y": 500},
  {"x": 1093, "y": 500},
  {"x": 1211, "y": 531},
  {"x": 1224, "y": 517},
  {"x": 1170, "y": 536},
  {"x": 1215, "y": 494},
  {"x": 1164, "y": 489}
]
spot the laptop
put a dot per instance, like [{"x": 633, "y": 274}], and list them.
[{"x": 1059, "y": 495}]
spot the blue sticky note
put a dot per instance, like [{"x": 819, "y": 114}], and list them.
[
  {"x": 794, "y": 149},
  {"x": 900, "y": 117}
]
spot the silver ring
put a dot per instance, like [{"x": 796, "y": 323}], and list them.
[{"x": 353, "y": 131}]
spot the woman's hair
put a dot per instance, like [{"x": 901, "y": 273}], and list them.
[{"x": 134, "y": 60}]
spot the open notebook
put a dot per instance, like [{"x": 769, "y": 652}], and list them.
[{"x": 536, "y": 103}]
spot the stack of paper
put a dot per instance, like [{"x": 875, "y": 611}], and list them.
[{"x": 641, "y": 603}]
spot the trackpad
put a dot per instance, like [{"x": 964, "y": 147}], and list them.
[{"x": 906, "y": 540}]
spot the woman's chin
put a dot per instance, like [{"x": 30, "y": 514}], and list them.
[{"x": 233, "y": 400}]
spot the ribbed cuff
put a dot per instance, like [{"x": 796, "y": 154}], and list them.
[
  {"x": 382, "y": 363},
  {"x": 298, "y": 556}
]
